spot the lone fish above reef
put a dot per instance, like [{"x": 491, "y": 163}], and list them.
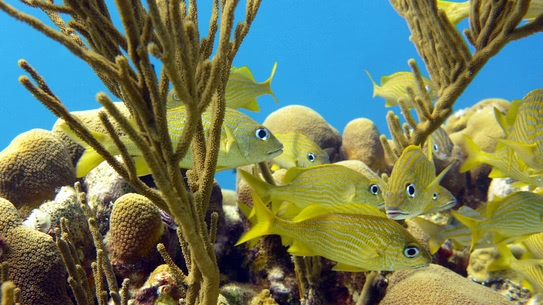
[
  {"x": 298, "y": 151},
  {"x": 393, "y": 88},
  {"x": 241, "y": 90},
  {"x": 243, "y": 141},
  {"x": 358, "y": 242},
  {"x": 412, "y": 185},
  {"x": 326, "y": 185}
]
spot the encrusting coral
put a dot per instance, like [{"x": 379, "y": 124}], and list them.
[
  {"x": 32, "y": 167},
  {"x": 9, "y": 217}
]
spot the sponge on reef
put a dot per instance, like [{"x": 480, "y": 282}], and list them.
[
  {"x": 437, "y": 285},
  {"x": 32, "y": 167},
  {"x": 304, "y": 120},
  {"x": 135, "y": 228},
  {"x": 35, "y": 266}
]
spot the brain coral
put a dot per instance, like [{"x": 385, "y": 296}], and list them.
[
  {"x": 297, "y": 118},
  {"x": 361, "y": 142},
  {"x": 9, "y": 217},
  {"x": 135, "y": 228},
  {"x": 437, "y": 285},
  {"x": 32, "y": 167},
  {"x": 35, "y": 266}
]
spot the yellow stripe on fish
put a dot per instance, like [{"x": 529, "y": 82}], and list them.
[
  {"x": 327, "y": 185},
  {"x": 507, "y": 219},
  {"x": 299, "y": 151},
  {"x": 441, "y": 144},
  {"x": 411, "y": 186},
  {"x": 243, "y": 141},
  {"x": 393, "y": 88},
  {"x": 357, "y": 242},
  {"x": 456, "y": 231},
  {"x": 242, "y": 89},
  {"x": 534, "y": 244},
  {"x": 531, "y": 270}
]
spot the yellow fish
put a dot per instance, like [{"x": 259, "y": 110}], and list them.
[
  {"x": 534, "y": 244},
  {"x": 441, "y": 144},
  {"x": 298, "y": 151},
  {"x": 530, "y": 269},
  {"x": 456, "y": 11},
  {"x": 504, "y": 161},
  {"x": 507, "y": 219},
  {"x": 357, "y": 242},
  {"x": 326, "y": 185},
  {"x": 243, "y": 142},
  {"x": 241, "y": 90},
  {"x": 525, "y": 136},
  {"x": 411, "y": 186},
  {"x": 393, "y": 88},
  {"x": 456, "y": 231}
]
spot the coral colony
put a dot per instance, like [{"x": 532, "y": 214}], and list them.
[{"x": 446, "y": 204}]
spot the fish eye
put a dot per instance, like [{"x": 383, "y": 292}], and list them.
[
  {"x": 411, "y": 251},
  {"x": 374, "y": 189},
  {"x": 411, "y": 190},
  {"x": 311, "y": 157},
  {"x": 428, "y": 88},
  {"x": 434, "y": 196},
  {"x": 435, "y": 147},
  {"x": 175, "y": 97},
  {"x": 262, "y": 133}
]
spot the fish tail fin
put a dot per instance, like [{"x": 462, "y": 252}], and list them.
[
  {"x": 263, "y": 225},
  {"x": 262, "y": 188},
  {"x": 474, "y": 155},
  {"x": 504, "y": 259},
  {"x": 435, "y": 232},
  {"x": 375, "y": 86},
  {"x": 268, "y": 83},
  {"x": 90, "y": 158},
  {"x": 472, "y": 224}
]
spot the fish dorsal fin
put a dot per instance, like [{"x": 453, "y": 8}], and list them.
[
  {"x": 316, "y": 210},
  {"x": 252, "y": 106},
  {"x": 502, "y": 120},
  {"x": 292, "y": 173},
  {"x": 434, "y": 184},
  {"x": 301, "y": 249},
  {"x": 513, "y": 111},
  {"x": 348, "y": 268},
  {"x": 245, "y": 72},
  {"x": 385, "y": 79},
  {"x": 375, "y": 86}
]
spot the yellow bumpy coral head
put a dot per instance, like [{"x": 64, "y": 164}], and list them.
[{"x": 135, "y": 228}]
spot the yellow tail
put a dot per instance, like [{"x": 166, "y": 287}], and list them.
[
  {"x": 268, "y": 83},
  {"x": 472, "y": 224},
  {"x": 263, "y": 225},
  {"x": 474, "y": 155}
]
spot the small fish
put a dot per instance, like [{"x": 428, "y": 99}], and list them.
[
  {"x": 441, "y": 144},
  {"x": 298, "y": 151},
  {"x": 504, "y": 161},
  {"x": 326, "y": 185},
  {"x": 456, "y": 231},
  {"x": 241, "y": 90},
  {"x": 243, "y": 141},
  {"x": 393, "y": 88},
  {"x": 530, "y": 269},
  {"x": 411, "y": 186},
  {"x": 535, "y": 9},
  {"x": 507, "y": 219},
  {"x": 456, "y": 11},
  {"x": 526, "y": 133},
  {"x": 357, "y": 242}
]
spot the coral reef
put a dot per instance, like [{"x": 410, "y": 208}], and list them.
[
  {"x": 32, "y": 167},
  {"x": 361, "y": 142}
]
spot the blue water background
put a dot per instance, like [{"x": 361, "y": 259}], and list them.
[{"x": 321, "y": 47}]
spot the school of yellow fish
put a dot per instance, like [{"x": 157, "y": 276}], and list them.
[{"x": 329, "y": 210}]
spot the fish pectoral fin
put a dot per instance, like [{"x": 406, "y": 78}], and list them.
[
  {"x": 348, "y": 268},
  {"x": 141, "y": 166},
  {"x": 275, "y": 167},
  {"x": 292, "y": 173},
  {"x": 349, "y": 192},
  {"x": 390, "y": 102},
  {"x": 300, "y": 249},
  {"x": 252, "y": 105},
  {"x": 226, "y": 144}
]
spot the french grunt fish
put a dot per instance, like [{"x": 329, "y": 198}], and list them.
[
  {"x": 441, "y": 144},
  {"x": 530, "y": 269},
  {"x": 411, "y": 186},
  {"x": 516, "y": 216},
  {"x": 325, "y": 185},
  {"x": 357, "y": 242},
  {"x": 298, "y": 151},
  {"x": 243, "y": 141},
  {"x": 393, "y": 88}
]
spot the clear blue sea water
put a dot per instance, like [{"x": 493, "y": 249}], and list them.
[{"x": 321, "y": 48}]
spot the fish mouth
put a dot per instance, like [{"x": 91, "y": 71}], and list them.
[
  {"x": 397, "y": 214},
  {"x": 275, "y": 151}
]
